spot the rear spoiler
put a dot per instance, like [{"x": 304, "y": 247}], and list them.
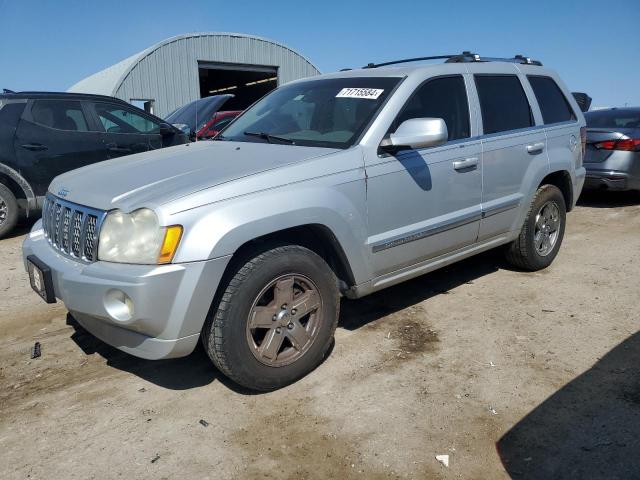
[{"x": 583, "y": 100}]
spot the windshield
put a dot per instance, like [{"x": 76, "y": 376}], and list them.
[
  {"x": 201, "y": 109},
  {"x": 320, "y": 113},
  {"x": 627, "y": 118}
]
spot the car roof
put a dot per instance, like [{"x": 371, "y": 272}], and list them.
[
  {"x": 61, "y": 95},
  {"x": 421, "y": 69},
  {"x": 617, "y": 109}
]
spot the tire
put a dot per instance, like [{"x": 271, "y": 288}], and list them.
[
  {"x": 525, "y": 252},
  {"x": 270, "y": 286},
  {"x": 8, "y": 210}
]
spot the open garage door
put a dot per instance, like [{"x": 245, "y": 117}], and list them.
[{"x": 247, "y": 82}]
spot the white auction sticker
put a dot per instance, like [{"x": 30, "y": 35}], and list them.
[{"x": 372, "y": 93}]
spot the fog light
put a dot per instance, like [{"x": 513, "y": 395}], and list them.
[{"x": 118, "y": 305}]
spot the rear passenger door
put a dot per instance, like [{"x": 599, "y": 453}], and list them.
[
  {"x": 53, "y": 137},
  {"x": 513, "y": 149},
  {"x": 423, "y": 203},
  {"x": 125, "y": 130}
]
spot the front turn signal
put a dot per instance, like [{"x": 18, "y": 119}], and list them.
[{"x": 170, "y": 244}]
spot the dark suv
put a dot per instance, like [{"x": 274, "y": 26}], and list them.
[{"x": 45, "y": 134}]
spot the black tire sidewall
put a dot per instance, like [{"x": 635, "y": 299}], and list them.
[
  {"x": 249, "y": 371},
  {"x": 12, "y": 210},
  {"x": 549, "y": 193}
]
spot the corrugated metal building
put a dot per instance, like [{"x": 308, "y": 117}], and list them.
[{"x": 184, "y": 68}]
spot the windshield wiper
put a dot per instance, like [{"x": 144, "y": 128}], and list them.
[{"x": 269, "y": 138}]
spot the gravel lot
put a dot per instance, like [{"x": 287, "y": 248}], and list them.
[{"x": 511, "y": 374}]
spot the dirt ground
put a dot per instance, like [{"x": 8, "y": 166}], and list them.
[{"x": 511, "y": 374}]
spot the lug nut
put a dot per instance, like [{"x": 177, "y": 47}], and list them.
[
  {"x": 284, "y": 306},
  {"x": 278, "y": 330},
  {"x": 274, "y": 318},
  {"x": 293, "y": 311},
  {"x": 290, "y": 326}
]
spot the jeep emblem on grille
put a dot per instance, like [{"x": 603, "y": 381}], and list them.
[{"x": 63, "y": 192}]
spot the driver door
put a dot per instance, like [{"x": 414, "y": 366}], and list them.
[{"x": 423, "y": 203}]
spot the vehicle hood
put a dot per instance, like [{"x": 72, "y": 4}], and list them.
[{"x": 160, "y": 176}]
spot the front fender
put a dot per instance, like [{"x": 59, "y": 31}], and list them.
[{"x": 221, "y": 228}]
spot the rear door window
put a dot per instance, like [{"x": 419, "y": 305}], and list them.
[
  {"x": 553, "y": 104},
  {"x": 444, "y": 98},
  {"x": 503, "y": 103},
  {"x": 59, "y": 114},
  {"x": 119, "y": 119}
]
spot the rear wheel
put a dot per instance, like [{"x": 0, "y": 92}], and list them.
[
  {"x": 542, "y": 232},
  {"x": 275, "y": 320},
  {"x": 8, "y": 210}
]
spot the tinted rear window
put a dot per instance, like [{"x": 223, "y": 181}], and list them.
[
  {"x": 59, "y": 114},
  {"x": 613, "y": 118},
  {"x": 552, "y": 102},
  {"x": 503, "y": 103}
]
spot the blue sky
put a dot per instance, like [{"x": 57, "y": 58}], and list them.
[{"x": 51, "y": 45}]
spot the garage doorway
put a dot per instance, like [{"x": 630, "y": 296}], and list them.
[{"x": 247, "y": 82}]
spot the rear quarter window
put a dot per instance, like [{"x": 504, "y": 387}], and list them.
[
  {"x": 10, "y": 113},
  {"x": 553, "y": 104}
]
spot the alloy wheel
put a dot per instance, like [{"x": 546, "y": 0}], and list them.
[
  {"x": 4, "y": 211},
  {"x": 547, "y": 228},
  {"x": 284, "y": 320}
]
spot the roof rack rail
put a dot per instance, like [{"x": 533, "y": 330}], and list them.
[{"x": 463, "y": 57}]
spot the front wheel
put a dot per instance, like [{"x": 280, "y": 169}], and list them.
[
  {"x": 275, "y": 320},
  {"x": 542, "y": 232}
]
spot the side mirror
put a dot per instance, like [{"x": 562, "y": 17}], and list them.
[
  {"x": 418, "y": 133},
  {"x": 166, "y": 130}
]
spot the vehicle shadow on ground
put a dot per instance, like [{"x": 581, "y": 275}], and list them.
[
  {"x": 196, "y": 370},
  {"x": 607, "y": 199},
  {"x": 589, "y": 429},
  {"x": 22, "y": 228},
  {"x": 357, "y": 313}
]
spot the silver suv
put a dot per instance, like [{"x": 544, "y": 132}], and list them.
[{"x": 342, "y": 184}]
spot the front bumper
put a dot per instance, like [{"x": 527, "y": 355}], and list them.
[{"x": 146, "y": 310}]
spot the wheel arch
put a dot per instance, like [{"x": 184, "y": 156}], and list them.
[
  {"x": 18, "y": 185},
  {"x": 562, "y": 180},
  {"x": 316, "y": 237}
]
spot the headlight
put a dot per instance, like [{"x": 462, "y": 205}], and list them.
[{"x": 137, "y": 237}]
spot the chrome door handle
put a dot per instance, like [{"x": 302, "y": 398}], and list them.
[
  {"x": 467, "y": 163},
  {"x": 535, "y": 147}
]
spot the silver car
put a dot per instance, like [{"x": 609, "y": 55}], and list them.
[
  {"x": 342, "y": 184},
  {"x": 612, "y": 159}
]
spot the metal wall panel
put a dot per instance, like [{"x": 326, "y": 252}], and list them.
[{"x": 168, "y": 72}]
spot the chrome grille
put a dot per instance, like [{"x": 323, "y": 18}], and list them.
[
  {"x": 66, "y": 223},
  {"x": 72, "y": 229},
  {"x": 77, "y": 230},
  {"x": 90, "y": 243}
]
